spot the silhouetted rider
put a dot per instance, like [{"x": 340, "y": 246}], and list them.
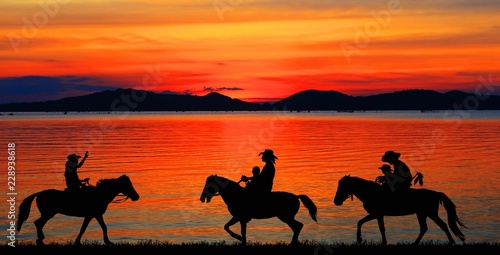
[
  {"x": 73, "y": 182},
  {"x": 249, "y": 180},
  {"x": 399, "y": 179},
  {"x": 263, "y": 183}
]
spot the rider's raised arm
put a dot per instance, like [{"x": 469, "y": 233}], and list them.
[{"x": 83, "y": 160}]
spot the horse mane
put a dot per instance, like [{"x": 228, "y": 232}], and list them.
[
  {"x": 103, "y": 182},
  {"x": 224, "y": 179},
  {"x": 358, "y": 179},
  {"x": 106, "y": 181},
  {"x": 220, "y": 177}
]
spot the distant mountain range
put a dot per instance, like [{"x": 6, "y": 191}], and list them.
[{"x": 309, "y": 100}]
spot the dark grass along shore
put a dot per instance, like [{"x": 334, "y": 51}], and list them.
[{"x": 306, "y": 248}]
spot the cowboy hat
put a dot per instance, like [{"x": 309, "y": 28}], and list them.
[
  {"x": 390, "y": 156},
  {"x": 73, "y": 157},
  {"x": 268, "y": 153}
]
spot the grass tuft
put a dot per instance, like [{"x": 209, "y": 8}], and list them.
[{"x": 306, "y": 247}]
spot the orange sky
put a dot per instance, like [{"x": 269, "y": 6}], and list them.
[{"x": 253, "y": 50}]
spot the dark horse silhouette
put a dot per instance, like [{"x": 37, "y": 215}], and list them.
[
  {"x": 90, "y": 202},
  {"x": 422, "y": 202},
  {"x": 243, "y": 208}
]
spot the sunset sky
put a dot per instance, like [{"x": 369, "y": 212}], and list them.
[{"x": 254, "y": 50}]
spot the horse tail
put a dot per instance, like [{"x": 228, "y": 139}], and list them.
[
  {"x": 313, "y": 210},
  {"x": 452, "y": 216},
  {"x": 24, "y": 210}
]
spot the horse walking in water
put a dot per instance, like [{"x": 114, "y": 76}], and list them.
[
  {"x": 378, "y": 203},
  {"x": 243, "y": 208},
  {"x": 90, "y": 202}
]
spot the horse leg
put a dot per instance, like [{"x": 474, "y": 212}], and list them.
[
  {"x": 381, "y": 227},
  {"x": 231, "y": 222},
  {"x": 368, "y": 217},
  {"x": 443, "y": 226},
  {"x": 104, "y": 229},
  {"x": 85, "y": 223},
  {"x": 40, "y": 223},
  {"x": 296, "y": 227},
  {"x": 422, "y": 221},
  {"x": 243, "y": 232}
]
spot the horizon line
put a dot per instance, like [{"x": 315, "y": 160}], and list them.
[{"x": 260, "y": 100}]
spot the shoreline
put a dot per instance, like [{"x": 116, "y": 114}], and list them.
[{"x": 305, "y": 248}]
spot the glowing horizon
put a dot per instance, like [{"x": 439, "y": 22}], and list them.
[{"x": 248, "y": 50}]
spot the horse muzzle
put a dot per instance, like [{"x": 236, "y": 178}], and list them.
[
  {"x": 337, "y": 201},
  {"x": 204, "y": 198}
]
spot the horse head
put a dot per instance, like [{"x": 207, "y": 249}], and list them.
[
  {"x": 126, "y": 188},
  {"x": 344, "y": 190},
  {"x": 213, "y": 186}
]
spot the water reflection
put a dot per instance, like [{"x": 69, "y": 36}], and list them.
[{"x": 168, "y": 156}]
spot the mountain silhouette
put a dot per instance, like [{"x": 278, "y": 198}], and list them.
[
  {"x": 408, "y": 100},
  {"x": 417, "y": 99},
  {"x": 308, "y": 100},
  {"x": 316, "y": 100},
  {"x": 135, "y": 100}
]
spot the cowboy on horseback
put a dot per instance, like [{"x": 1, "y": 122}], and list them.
[
  {"x": 399, "y": 179},
  {"x": 263, "y": 182},
  {"x": 73, "y": 182}
]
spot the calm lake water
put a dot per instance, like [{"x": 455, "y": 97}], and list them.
[{"x": 169, "y": 155}]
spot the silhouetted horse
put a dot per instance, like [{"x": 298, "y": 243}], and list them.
[
  {"x": 379, "y": 203},
  {"x": 244, "y": 207},
  {"x": 90, "y": 202}
]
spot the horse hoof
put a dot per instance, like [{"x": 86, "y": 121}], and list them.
[
  {"x": 109, "y": 243},
  {"x": 40, "y": 243}
]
